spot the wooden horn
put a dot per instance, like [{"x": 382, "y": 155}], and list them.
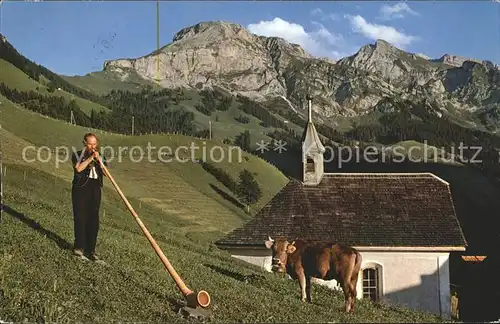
[{"x": 202, "y": 298}]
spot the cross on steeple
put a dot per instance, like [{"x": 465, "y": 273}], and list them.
[{"x": 309, "y": 99}]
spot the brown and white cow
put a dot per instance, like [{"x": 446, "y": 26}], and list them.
[{"x": 303, "y": 260}]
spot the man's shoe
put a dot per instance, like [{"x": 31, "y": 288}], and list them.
[
  {"x": 83, "y": 258},
  {"x": 79, "y": 254},
  {"x": 96, "y": 259}
]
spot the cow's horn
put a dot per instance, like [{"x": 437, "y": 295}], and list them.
[{"x": 270, "y": 239}]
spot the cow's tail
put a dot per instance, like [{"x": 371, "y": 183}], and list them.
[
  {"x": 354, "y": 270},
  {"x": 357, "y": 263}
]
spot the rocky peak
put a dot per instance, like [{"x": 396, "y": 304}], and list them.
[
  {"x": 425, "y": 57},
  {"x": 383, "y": 45},
  {"x": 382, "y": 59},
  {"x": 279, "y": 44},
  {"x": 380, "y": 47},
  {"x": 381, "y": 51},
  {"x": 211, "y": 29},
  {"x": 490, "y": 64},
  {"x": 454, "y": 60}
]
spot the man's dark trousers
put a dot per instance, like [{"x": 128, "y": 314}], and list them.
[{"x": 86, "y": 201}]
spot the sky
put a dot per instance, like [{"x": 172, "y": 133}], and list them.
[{"x": 76, "y": 37}]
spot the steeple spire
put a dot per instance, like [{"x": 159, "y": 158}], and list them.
[
  {"x": 312, "y": 151},
  {"x": 309, "y": 99}
]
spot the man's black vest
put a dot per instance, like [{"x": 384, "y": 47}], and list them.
[{"x": 81, "y": 178}]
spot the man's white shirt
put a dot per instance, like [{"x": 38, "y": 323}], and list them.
[{"x": 93, "y": 173}]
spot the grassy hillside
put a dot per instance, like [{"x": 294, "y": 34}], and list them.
[
  {"x": 224, "y": 124},
  {"x": 103, "y": 82},
  {"x": 182, "y": 211},
  {"x": 37, "y": 230},
  {"x": 15, "y": 78},
  {"x": 161, "y": 186}
]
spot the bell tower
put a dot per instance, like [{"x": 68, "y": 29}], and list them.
[{"x": 312, "y": 152}]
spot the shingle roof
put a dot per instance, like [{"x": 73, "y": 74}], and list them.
[{"x": 398, "y": 210}]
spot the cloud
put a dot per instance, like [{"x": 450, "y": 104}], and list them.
[
  {"x": 324, "y": 34},
  {"x": 318, "y": 12},
  {"x": 396, "y": 11},
  {"x": 319, "y": 42},
  {"x": 374, "y": 32}
]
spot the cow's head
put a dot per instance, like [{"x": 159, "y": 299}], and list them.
[{"x": 281, "y": 249}]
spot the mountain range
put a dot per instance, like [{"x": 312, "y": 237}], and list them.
[{"x": 228, "y": 56}]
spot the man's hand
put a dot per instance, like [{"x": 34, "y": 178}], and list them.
[{"x": 96, "y": 155}]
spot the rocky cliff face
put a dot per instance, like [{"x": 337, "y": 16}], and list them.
[
  {"x": 391, "y": 63},
  {"x": 229, "y": 56},
  {"x": 222, "y": 54}
]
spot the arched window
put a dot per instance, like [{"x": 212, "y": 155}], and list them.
[
  {"x": 309, "y": 165},
  {"x": 372, "y": 282}
]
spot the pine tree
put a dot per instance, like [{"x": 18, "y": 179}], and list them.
[
  {"x": 51, "y": 87},
  {"x": 248, "y": 189},
  {"x": 243, "y": 141}
]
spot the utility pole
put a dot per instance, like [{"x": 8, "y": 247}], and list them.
[
  {"x": 132, "y": 125},
  {"x": 158, "y": 40},
  {"x": 1, "y": 184},
  {"x": 210, "y": 129},
  {"x": 72, "y": 119}
]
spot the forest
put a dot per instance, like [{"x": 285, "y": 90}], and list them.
[{"x": 152, "y": 112}]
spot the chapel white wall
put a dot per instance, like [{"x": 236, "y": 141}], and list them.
[{"x": 418, "y": 280}]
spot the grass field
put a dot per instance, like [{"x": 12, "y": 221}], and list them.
[
  {"x": 223, "y": 123},
  {"x": 160, "y": 184},
  {"x": 15, "y": 78},
  {"x": 41, "y": 281},
  {"x": 421, "y": 152},
  {"x": 103, "y": 82}
]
